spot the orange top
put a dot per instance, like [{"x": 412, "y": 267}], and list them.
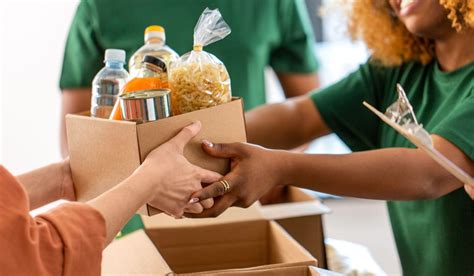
[{"x": 68, "y": 240}]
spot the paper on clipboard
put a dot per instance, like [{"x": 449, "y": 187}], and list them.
[{"x": 401, "y": 117}]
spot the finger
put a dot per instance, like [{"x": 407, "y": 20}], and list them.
[
  {"x": 186, "y": 134},
  {"x": 208, "y": 176},
  {"x": 214, "y": 190},
  {"x": 222, "y": 150},
  {"x": 469, "y": 190},
  {"x": 207, "y": 203},
  {"x": 219, "y": 207},
  {"x": 195, "y": 208}
]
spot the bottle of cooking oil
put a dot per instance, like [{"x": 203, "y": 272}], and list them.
[{"x": 155, "y": 40}]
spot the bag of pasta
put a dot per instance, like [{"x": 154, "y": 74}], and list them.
[{"x": 198, "y": 79}]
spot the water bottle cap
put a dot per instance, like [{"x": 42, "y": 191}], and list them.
[
  {"x": 155, "y": 31},
  {"x": 115, "y": 54}
]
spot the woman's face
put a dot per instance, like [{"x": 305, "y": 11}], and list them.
[{"x": 425, "y": 18}]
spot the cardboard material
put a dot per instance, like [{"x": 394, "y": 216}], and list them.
[
  {"x": 131, "y": 255},
  {"x": 233, "y": 214},
  {"x": 249, "y": 247},
  {"x": 104, "y": 152},
  {"x": 301, "y": 216}
]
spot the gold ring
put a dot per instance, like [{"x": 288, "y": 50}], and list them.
[{"x": 225, "y": 184}]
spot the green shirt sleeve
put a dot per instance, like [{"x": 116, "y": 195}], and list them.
[
  {"x": 458, "y": 126},
  {"x": 295, "y": 52},
  {"x": 83, "y": 53},
  {"x": 340, "y": 106}
]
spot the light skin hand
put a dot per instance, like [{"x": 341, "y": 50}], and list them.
[
  {"x": 179, "y": 178},
  {"x": 469, "y": 190},
  {"x": 165, "y": 180}
]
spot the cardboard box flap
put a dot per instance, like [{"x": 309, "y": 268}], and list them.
[
  {"x": 279, "y": 271},
  {"x": 133, "y": 254},
  {"x": 258, "y": 244},
  {"x": 91, "y": 175},
  {"x": 232, "y": 129},
  {"x": 295, "y": 209},
  {"x": 284, "y": 249},
  {"x": 233, "y": 214}
]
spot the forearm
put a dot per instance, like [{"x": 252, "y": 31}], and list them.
[
  {"x": 295, "y": 85},
  {"x": 119, "y": 204},
  {"x": 44, "y": 185},
  {"x": 389, "y": 174},
  {"x": 285, "y": 125}
]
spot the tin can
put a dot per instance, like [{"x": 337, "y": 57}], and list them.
[{"x": 146, "y": 105}]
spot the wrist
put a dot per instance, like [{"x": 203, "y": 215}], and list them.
[
  {"x": 151, "y": 183},
  {"x": 281, "y": 167},
  {"x": 67, "y": 186}
]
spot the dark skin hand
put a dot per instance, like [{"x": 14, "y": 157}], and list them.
[{"x": 388, "y": 174}]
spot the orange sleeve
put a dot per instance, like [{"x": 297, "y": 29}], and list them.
[{"x": 68, "y": 240}]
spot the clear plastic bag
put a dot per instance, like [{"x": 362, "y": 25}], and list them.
[{"x": 198, "y": 79}]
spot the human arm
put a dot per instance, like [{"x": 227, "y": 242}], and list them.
[
  {"x": 48, "y": 184},
  {"x": 70, "y": 238},
  {"x": 285, "y": 125},
  {"x": 165, "y": 180},
  {"x": 389, "y": 174},
  {"x": 72, "y": 101},
  {"x": 298, "y": 84}
]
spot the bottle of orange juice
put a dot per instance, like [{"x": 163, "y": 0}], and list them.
[
  {"x": 151, "y": 75},
  {"x": 155, "y": 45}
]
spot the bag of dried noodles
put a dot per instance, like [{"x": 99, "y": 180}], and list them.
[{"x": 198, "y": 79}]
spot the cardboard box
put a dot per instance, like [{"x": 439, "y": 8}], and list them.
[
  {"x": 104, "y": 152},
  {"x": 245, "y": 247},
  {"x": 300, "y": 215},
  {"x": 232, "y": 214}
]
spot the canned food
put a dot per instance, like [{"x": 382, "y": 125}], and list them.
[{"x": 146, "y": 105}]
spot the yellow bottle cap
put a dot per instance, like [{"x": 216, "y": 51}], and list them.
[{"x": 154, "y": 28}]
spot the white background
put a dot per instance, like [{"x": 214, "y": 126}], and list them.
[{"x": 32, "y": 41}]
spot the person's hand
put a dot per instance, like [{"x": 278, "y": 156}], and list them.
[
  {"x": 254, "y": 171},
  {"x": 469, "y": 190},
  {"x": 173, "y": 177},
  {"x": 67, "y": 186}
]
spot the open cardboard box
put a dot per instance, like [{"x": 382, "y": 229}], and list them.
[
  {"x": 300, "y": 214},
  {"x": 255, "y": 247},
  {"x": 104, "y": 152}
]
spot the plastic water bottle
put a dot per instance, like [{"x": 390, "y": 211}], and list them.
[{"x": 108, "y": 83}]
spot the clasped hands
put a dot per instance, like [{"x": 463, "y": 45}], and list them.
[{"x": 183, "y": 189}]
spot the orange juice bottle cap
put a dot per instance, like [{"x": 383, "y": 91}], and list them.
[{"x": 154, "y": 31}]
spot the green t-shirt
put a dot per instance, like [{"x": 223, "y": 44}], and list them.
[
  {"x": 434, "y": 237},
  {"x": 274, "y": 33}
]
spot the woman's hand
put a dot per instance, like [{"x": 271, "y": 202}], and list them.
[
  {"x": 176, "y": 179},
  {"x": 254, "y": 171}
]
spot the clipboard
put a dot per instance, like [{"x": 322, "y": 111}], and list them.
[{"x": 426, "y": 147}]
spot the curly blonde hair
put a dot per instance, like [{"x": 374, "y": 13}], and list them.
[{"x": 392, "y": 44}]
